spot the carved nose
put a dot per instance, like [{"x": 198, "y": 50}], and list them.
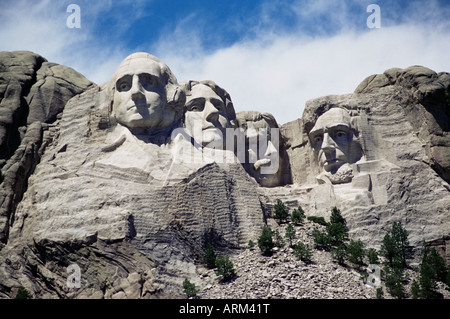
[
  {"x": 137, "y": 91},
  {"x": 327, "y": 143},
  {"x": 212, "y": 112}
]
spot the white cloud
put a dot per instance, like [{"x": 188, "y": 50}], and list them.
[
  {"x": 281, "y": 76},
  {"x": 275, "y": 72}
]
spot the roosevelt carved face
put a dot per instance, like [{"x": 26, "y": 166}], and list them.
[
  {"x": 140, "y": 97},
  {"x": 205, "y": 116},
  {"x": 332, "y": 139}
]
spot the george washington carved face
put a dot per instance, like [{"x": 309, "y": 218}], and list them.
[{"x": 143, "y": 93}]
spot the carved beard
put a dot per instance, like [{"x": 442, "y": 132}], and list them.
[{"x": 343, "y": 175}]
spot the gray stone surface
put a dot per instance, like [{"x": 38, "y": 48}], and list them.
[
  {"x": 32, "y": 93},
  {"x": 133, "y": 202}
]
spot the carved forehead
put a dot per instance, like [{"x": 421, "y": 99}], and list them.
[
  {"x": 201, "y": 90},
  {"x": 331, "y": 118},
  {"x": 141, "y": 62}
]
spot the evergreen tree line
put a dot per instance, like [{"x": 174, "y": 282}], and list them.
[
  {"x": 395, "y": 251},
  {"x": 333, "y": 236}
]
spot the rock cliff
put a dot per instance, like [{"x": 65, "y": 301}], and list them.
[{"x": 133, "y": 210}]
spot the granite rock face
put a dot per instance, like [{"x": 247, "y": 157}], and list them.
[
  {"x": 130, "y": 202},
  {"x": 32, "y": 93},
  {"x": 400, "y": 121}
]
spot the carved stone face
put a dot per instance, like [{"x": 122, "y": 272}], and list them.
[
  {"x": 206, "y": 116},
  {"x": 140, "y": 97},
  {"x": 332, "y": 138},
  {"x": 264, "y": 153}
]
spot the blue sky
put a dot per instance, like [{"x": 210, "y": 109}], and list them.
[{"x": 270, "y": 56}]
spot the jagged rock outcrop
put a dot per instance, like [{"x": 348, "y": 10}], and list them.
[
  {"x": 399, "y": 120},
  {"x": 33, "y": 92},
  {"x": 116, "y": 179}
]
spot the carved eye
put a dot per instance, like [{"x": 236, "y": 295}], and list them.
[
  {"x": 341, "y": 134},
  {"x": 196, "y": 108},
  {"x": 317, "y": 139},
  {"x": 148, "y": 81},
  {"x": 123, "y": 84},
  {"x": 218, "y": 105}
]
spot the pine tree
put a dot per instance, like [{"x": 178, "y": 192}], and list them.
[
  {"x": 394, "y": 278},
  {"x": 189, "y": 288},
  {"x": 225, "y": 268},
  {"x": 388, "y": 249},
  {"x": 403, "y": 248},
  {"x": 303, "y": 252},
  {"x": 339, "y": 253},
  {"x": 281, "y": 212},
  {"x": 290, "y": 233},
  {"x": 338, "y": 234},
  {"x": 298, "y": 215},
  {"x": 321, "y": 239},
  {"x": 356, "y": 252},
  {"x": 210, "y": 256},
  {"x": 336, "y": 217},
  {"x": 372, "y": 255},
  {"x": 265, "y": 241},
  {"x": 432, "y": 269}
]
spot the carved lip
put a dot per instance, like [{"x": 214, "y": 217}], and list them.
[
  {"x": 332, "y": 162},
  {"x": 210, "y": 127},
  {"x": 136, "y": 106}
]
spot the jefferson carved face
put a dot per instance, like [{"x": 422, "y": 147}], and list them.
[
  {"x": 140, "y": 97},
  {"x": 332, "y": 138},
  {"x": 206, "y": 116}
]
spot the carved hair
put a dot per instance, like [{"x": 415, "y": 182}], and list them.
[{"x": 222, "y": 93}]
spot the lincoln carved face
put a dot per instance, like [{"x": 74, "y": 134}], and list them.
[
  {"x": 141, "y": 84},
  {"x": 333, "y": 140}
]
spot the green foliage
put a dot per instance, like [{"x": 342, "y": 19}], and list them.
[
  {"x": 338, "y": 234},
  {"x": 432, "y": 270},
  {"x": 321, "y": 239},
  {"x": 251, "y": 244},
  {"x": 22, "y": 293},
  {"x": 415, "y": 289},
  {"x": 404, "y": 250},
  {"x": 210, "y": 256},
  {"x": 373, "y": 256},
  {"x": 265, "y": 241},
  {"x": 281, "y": 212},
  {"x": 317, "y": 220},
  {"x": 379, "y": 293},
  {"x": 290, "y": 233},
  {"x": 395, "y": 247},
  {"x": 356, "y": 252},
  {"x": 298, "y": 215},
  {"x": 339, "y": 253},
  {"x": 394, "y": 280},
  {"x": 303, "y": 252},
  {"x": 225, "y": 268},
  {"x": 396, "y": 250},
  {"x": 189, "y": 288},
  {"x": 388, "y": 249},
  {"x": 336, "y": 217}
]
